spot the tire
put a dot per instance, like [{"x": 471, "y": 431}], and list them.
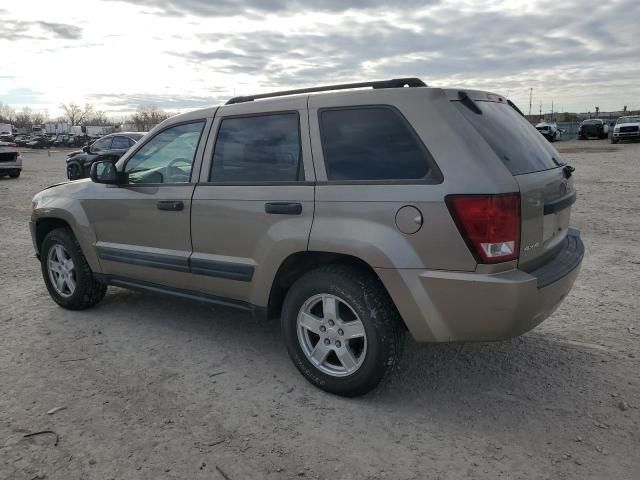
[
  {"x": 614, "y": 140},
  {"x": 14, "y": 174},
  {"x": 360, "y": 296},
  {"x": 88, "y": 291},
  {"x": 74, "y": 171}
]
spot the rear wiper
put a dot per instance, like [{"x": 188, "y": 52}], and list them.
[
  {"x": 467, "y": 102},
  {"x": 513, "y": 105}
]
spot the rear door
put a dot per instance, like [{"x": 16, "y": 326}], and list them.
[
  {"x": 546, "y": 187},
  {"x": 253, "y": 206}
]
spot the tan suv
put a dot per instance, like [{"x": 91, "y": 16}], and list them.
[{"x": 352, "y": 215}]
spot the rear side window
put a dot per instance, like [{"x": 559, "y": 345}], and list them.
[
  {"x": 262, "y": 148},
  {"x": 520, "y": 147},
  {"x": 372, "y": 143}
]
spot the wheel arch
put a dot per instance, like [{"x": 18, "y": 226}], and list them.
[
  {"x": 297, "y": 264},
  {"x": 42, "y": 225},
  {"x": 45, "y": 225}
]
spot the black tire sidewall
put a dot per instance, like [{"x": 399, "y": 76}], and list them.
[
  {"x": 83, "y": 274},
  {"x": 376, "y": 361}
]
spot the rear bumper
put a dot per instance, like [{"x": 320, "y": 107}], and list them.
[
  {"x": 11, "y": 165},
  {"x": 453, "y": 306}
]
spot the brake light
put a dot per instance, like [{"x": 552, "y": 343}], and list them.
[
  {"x": 490, "y": 224},
  {"x": 12, "y": 145}
]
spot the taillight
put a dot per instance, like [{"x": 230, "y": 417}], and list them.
[
  {"x": 12, "y": 145},
  {"x": 490, "y": 224}
]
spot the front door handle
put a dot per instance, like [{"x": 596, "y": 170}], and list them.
[
  {"x": 171, "y": 205},
  {"x": 283, "y": 208}
]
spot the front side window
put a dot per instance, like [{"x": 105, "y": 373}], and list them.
[
  {"x": 262, "y": 148},
  {"x": 371, "y": 143},
  {"x": 100, "y": 145},
  {"x": 167, "y": 157}
]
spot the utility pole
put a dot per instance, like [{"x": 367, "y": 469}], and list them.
[
  {"x": 530, "y": 98},
  {"x": 552, "y": 110},
  {"x": 541, "y": 110}
]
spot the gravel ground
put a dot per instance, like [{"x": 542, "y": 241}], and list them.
[{"x": 155, "y": 387}]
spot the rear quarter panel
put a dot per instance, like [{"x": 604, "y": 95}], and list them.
[{"x": 359, "y": 219}]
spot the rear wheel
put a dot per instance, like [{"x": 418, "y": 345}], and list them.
[
  {"x": 341, "y": 329},
  {"x": 66, "y": 272}
]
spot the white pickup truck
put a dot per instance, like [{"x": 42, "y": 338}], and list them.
[{"x": 626, "y": 128}]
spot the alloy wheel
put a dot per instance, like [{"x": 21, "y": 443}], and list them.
[{"x": 331, "y": 335}]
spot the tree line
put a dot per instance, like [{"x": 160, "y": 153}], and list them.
[{"x": 74, "y": 114}]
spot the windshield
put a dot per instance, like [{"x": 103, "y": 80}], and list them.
[
  {"x": 592, "y": 122},
  {"x": 518, "y": 144},
  {"x": 622, "y": 120}
]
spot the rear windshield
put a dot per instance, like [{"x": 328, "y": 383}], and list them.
[{"x": 518, "y": 144}]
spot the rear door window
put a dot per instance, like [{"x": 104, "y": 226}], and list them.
[
  {"x": 373, "y": 143},
  {"x": 101, "y": 144},
  {"x": 120, "y": 143},
  {"x": 258, "y": 148},
  {"x": 520, "y": 147}
]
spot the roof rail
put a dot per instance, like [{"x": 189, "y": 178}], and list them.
[{"x": 393, "y": 83}]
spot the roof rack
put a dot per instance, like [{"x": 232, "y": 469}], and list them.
[{"x": 393, "y": 83}]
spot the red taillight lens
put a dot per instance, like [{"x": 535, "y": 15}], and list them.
[
  {"x": 490, "y": 224},
  {"x": 12, "y": 145}
]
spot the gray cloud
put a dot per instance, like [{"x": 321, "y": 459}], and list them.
[
  {"x": 14, "y": 30},
  {"x": 62, "y": 30},
  {"x": 223, "y": 8},
  {"x": 128, "y": 102}
]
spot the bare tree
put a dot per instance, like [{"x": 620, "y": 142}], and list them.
[
  {"x": 146, "y": 118},
  {"x": 98, "y": 117},
  {"x": 24, "y": 118},
  {"x": 38, "y": 118},
  {"x": 7, "y": 114},
  {"x": 76, "y": 114}
]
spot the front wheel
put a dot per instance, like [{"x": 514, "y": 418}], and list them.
[
  {"x": 66, "y": 272},
  {"x": 614, "y": 140},
  {"x": 341, "y": 329},
  {"x": 74, "y": 171},
  {"x": 14, "y": 174}
]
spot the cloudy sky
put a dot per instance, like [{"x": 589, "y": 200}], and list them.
[{"x": 185, "y": 54}]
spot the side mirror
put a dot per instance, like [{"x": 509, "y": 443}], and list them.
[
  {"x": 105, "y": 171},
  {"x": 85, "y": 149}
]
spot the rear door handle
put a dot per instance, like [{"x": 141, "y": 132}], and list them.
[
  {"x": 171, "y": 205},
  {"x": 283, "y": 208}
]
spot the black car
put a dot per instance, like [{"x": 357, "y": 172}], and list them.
[
  {"x": 592, "y": 128},
  {"x": 39, "y": 142},
  {"x": 110, "y": 147}
]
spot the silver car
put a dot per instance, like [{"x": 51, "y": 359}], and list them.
[{"x": 10, "y": 160}]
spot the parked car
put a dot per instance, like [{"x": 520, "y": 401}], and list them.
[
  {"x": 626, "y": 128},
  {"x": 10, "y": 160},
  {"x": 21, "y": 140},
  {"x": 39, "y": 142},
  {"x": 330, "y": 211},
  {"x": 550, "y": 131},
  {"x": 593, "y": 128},
  {"x": 113, "y": 145}
]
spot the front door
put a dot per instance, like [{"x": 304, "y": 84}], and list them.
[
  {"x": 142, "y": 227},
  {"x": 253, "y": 206}
]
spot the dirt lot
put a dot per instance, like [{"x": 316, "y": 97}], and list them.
[{"x": 156, "y": 387}]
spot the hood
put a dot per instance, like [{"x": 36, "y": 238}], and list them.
[{"x": 74, "y": 153}]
